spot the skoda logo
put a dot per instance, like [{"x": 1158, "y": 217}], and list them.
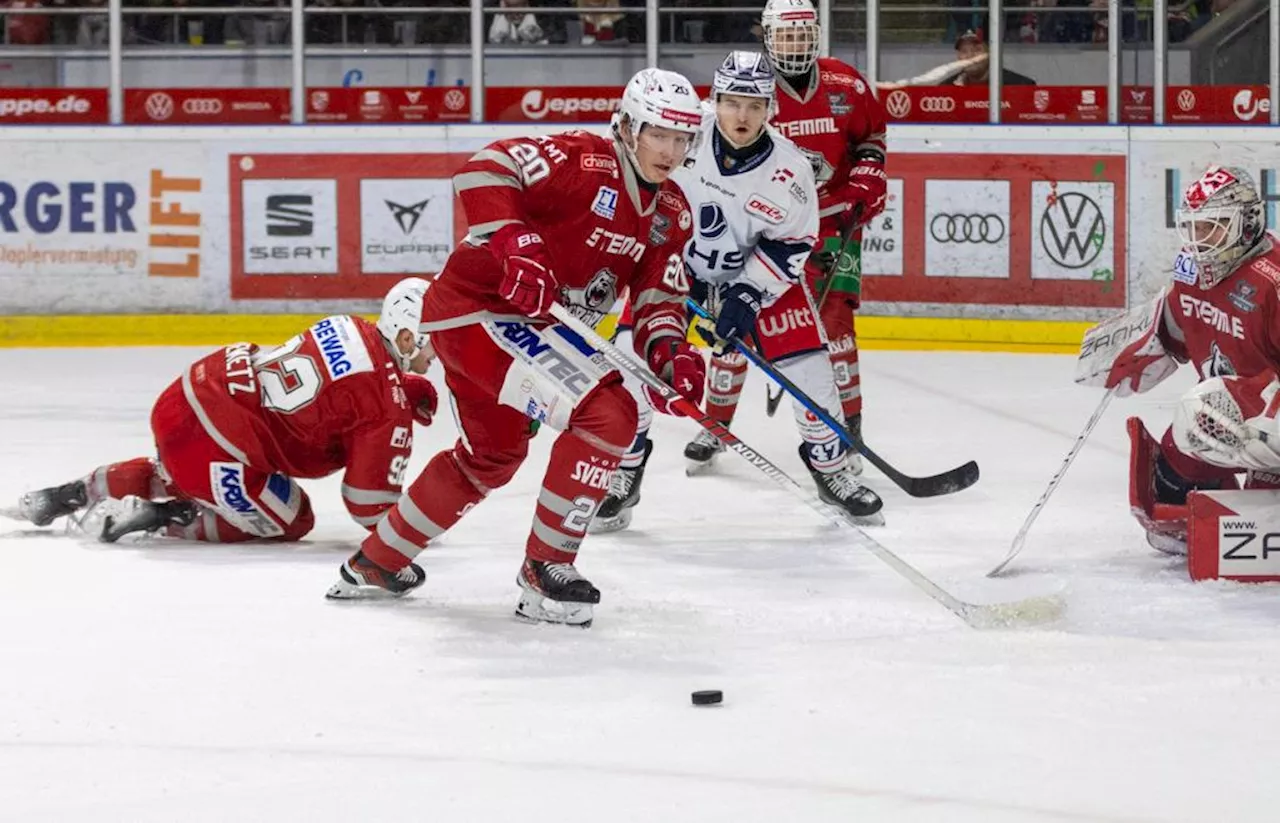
[
  {"x": 1072, "y": 230},
  {"x": 967, "y": 228}
]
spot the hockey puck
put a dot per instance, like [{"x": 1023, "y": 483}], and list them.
[{"x": 711, "y": 697}]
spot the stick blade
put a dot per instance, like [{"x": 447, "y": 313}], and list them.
[
  {"x": 949, "y": 482},
  {"x": 1033, "y": 611}
]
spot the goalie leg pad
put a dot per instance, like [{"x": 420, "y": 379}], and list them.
[{"x": 1162, "y": 521}]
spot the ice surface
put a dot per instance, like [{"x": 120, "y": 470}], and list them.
[{"x": 180, "y": 682}]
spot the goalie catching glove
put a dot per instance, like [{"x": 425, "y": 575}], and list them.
[
  {"x": 1125, "y": 352},
  {"x": 1231, "y": 422}
]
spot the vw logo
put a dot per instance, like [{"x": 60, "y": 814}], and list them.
[
  {"x": 202, "y": 105},
  {"x": 898, "y": 104},
  {"x": 1186, "y": 100},
  {"x": 1072, "y": 230},
  {"x": 937, "y": 105},
  {"x": 967, "y": 228},
  {"x": 159, "y": 106}
]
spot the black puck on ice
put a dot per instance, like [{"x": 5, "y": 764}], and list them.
[{"x": 710, "y": 697}]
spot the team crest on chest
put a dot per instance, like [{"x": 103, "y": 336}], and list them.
[
  {"x": 591, "y": 302},
  {"x": 1217, "y": 364},
  {"x": 1241, "y": 296},
  {"x": 658, "y": 229},
  {"x": 839, "y": 102},
  {"x": 606, "y": 204}
]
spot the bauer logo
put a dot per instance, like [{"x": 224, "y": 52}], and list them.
[
  {"x": 234, "y": 503},
  {"x": 342, "y": 347}
]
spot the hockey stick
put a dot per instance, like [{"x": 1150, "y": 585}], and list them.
[
  {"x": 1017, "y": 613},
  {"x": 949, "y": 482},
  {"x": 1021, "y": 538},
  {"x": 771, "y": 400}
]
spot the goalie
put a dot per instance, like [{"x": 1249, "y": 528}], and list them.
[{"x": 1221, "y": 313}]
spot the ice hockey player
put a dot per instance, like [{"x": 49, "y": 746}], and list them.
[
  {"x": 829, "y": 111},
  {"x": 239, "y": 425},
  {"x": 756, "y": 221},
  {"x": 574, "y": 218},
  {"x": 1220, "y": 313}
]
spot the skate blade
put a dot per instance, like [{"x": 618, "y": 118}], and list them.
[
  {"x": 876, "y": 519},
  {"x": 534, "y": 608},
  {"x": 693, "y": 468},
  {"x": 1167, "y": 544},
  {"x": 610, "y": 524},
  {"x": 13, "y": 513},
  {"x": 342, "y": 590}
]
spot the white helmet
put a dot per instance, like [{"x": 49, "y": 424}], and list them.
[
  {"x": 1220, "y": 221},
  {"x": 800, "y": 20},
  {"x": 402, "y": 309},
  {"x": 655, "y": 97}
]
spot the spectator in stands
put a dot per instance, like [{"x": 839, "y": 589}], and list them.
[
  {"x": 971, "y": 44},
  {"x": 519, "y": 26},
  {"x": 91, "y": 29},
  {"x": 599, "y": 27},
  {"x": 26, "y": 29}
]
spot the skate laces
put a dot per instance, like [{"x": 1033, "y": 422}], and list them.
[
  {"x": 623, "y": 480},
  {"x": 563, "y": 572},
  {"x": 706, "y": 438},
  {"x": 842, "y": 484},
  {"x": 407, "y": 575}
]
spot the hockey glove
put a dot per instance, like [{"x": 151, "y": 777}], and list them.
[
  {"x": 681, "y": 367},
  {"x": 1231, "y": 422},
  {"x": 527, "y": 281},
  {"x": 422, "y": 396},
  {"x": 739, "y": 306},
  {"x": 868, "y": 187},
  {"x": 1140, "y": 365}
]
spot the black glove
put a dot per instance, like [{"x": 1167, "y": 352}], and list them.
[{"x": 738, "y": 309}]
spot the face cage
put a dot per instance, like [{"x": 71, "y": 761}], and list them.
[
  {"x": 792, "y": 64},
  {"x": 1213, "y": 260}
]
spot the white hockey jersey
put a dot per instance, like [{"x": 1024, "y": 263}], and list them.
[{"x": 755, "y": 219}]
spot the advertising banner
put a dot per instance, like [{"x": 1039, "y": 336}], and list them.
[
  {"x": 52, "y": 106},
  {"x": 1017, "y": 229},
  {"x": 339, "y": 226}
]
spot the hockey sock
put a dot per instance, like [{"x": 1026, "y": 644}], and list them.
[
  {"x": 634, "y": 458},
  {"x": 812, "y": 374},
  {"x": 724, "y": 386},
  {"x": 136, "y": 477},
  {"x": 440, "y": 496}
]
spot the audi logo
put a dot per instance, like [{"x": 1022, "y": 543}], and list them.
[
  {"x": 159, "y": 106},
  {"x": 202, "y": 105},
  {"x": 898, "y": 104},
  {"x": 937, "y": 105},
  {"x": 1186, "y": 100},
  {"x": 967, "y": 228}
]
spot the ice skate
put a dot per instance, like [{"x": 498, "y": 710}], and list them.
[
  {"x": 701, "y": 451},
  {"x": 135, "y": 514},
  {"x": 361, "y": 578},
  {"x": 43, "y": 506},
  {"x": 614, "y": 513},
  {"x": 555, "y": 593},
  {"x": 842, "y": 489}
]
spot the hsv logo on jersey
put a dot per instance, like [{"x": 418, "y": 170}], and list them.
[
  {"x": 808, "y": 128},
  {"x": 711, "y": 221},
  {"x": 765, "y": 208},
  {"x": 1211, "y": 315}
]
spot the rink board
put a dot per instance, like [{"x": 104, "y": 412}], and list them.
[{"x": 904, "y": 333}]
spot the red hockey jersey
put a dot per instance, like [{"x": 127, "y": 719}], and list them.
[
  {"x": 331, "y": 398},
  {"x": 838, "y": 123},
  {"x": 604, "y": 232},
  {"x": 1233, "y": 328}
]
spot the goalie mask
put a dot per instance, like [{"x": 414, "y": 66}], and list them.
[
  {"x": 1220, "y": 221},
  {"x": 791, "y": 35},
  {"x": 402, "y": 309}
]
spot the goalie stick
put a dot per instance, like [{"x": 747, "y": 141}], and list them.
[
  {"x": 1026, "y": 612},
  {"x": 948, "y": 482},
  {"x": 1021, "y": 538}
]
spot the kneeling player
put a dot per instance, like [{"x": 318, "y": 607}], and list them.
[
  {"x": 756, "y": 220},
  {"x": 1219, "y": 313},
  {"x": 234, "y": 430}
]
